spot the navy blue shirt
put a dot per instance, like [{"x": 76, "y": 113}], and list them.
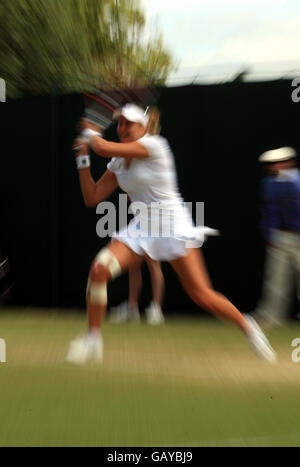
[{"x": 281, "y": 202}]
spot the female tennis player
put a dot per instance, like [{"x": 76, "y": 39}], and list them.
[{"x": 142, "y": 164}]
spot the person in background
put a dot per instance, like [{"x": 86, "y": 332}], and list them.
[{"x": 280, "y": 224}]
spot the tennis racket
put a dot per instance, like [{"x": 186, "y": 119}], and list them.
[{"x": 102, "y": 107}]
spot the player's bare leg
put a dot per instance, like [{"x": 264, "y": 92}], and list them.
[
  {"x": 154, "y": 312},
  {"x": 195, "y": 280},
  {"x": 129, "y": 309},
  {"x": 157, "y": 280},
  {"x": 101, "y": 274},
  {"x": 110, "y": 262},
  {"x": 135, "y": 286}
]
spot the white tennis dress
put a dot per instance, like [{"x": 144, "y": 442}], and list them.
[{"x": 162, "y": 226}]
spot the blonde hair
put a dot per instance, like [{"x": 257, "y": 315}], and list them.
[{"x": 153, "y": 126}]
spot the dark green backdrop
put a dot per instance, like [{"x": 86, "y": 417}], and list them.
[{"x": 217, "y": 133}]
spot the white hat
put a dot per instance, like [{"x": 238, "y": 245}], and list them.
[
  {"x": 278, "y": 155},
  {"x": 133, "y": 113}
]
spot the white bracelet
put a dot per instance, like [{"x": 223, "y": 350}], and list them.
[
  {"x": 83, "y": 162},
  {"x": 87, "y": 134}
]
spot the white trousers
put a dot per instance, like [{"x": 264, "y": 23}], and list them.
[{"x": 282, "y": 272}]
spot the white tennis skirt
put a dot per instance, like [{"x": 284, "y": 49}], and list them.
[{"x": 164, "y": 248}]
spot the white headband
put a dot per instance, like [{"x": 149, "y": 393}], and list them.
[{"x": 133, "y": 113}]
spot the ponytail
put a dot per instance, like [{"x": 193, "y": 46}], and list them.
[{"x": 153, "y": 126}]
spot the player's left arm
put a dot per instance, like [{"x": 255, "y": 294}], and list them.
[{"x": 110, "y": 149}]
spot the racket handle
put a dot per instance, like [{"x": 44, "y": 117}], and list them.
[{"x": 88, "y": 133}]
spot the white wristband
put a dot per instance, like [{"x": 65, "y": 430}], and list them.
[
  {"x": 83, "y": 162},
  {"x": 87, "y": 134}
]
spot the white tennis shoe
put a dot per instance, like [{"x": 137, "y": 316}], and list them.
[
  {"x": 123, "y": 313},
  {"x": 134, "y": 315},
  {"x": 85, "y": 349},
  {"x": 154, "y": 315},
  {"x": 119, "y": 314},
  {"x": 259, "y": 342}
]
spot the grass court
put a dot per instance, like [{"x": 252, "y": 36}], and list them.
[{"x": 190, "y": 382}]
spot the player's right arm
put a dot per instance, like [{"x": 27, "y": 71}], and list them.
[{"x": 93, "y": 193}]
